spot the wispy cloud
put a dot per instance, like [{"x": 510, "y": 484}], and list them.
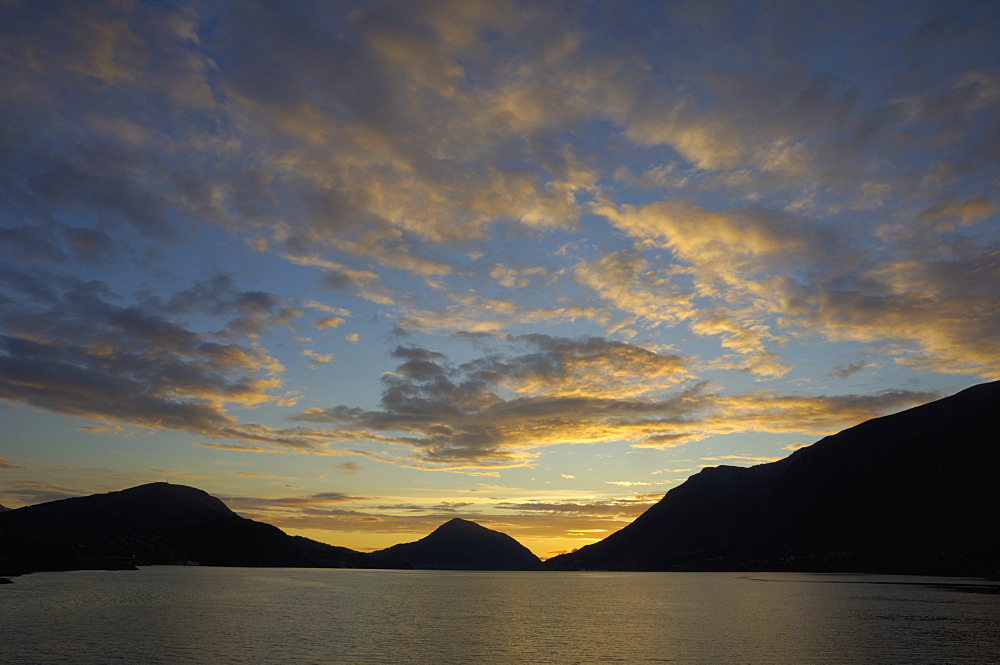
[{"x": 10, "y": 466}]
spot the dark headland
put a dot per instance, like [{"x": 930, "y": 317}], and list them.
[
  {"x": 914, "y": 492},
  {"x": 461, "y": 545}
]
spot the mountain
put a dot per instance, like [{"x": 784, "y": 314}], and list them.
[
  {"x": 905, "y": 493},
  {"x": 461, "y": 545},
  {"x": 4, "y": 509},
  {"x": 157, "y": 523},
  {"x": 151, "y": 507},
  {"x": 243, "y": 542}
]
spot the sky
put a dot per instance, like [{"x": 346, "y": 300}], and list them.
[{"x": 358, "y": 268}]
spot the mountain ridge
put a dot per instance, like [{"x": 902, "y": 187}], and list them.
[
  {"x": 155, "y": 506},
  {"x": 882, "y": 496},
  {"x": 158, "y": 523}
]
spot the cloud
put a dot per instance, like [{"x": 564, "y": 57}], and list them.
[
  {"x": 422, "y": 152},
  {"x": 8, "y": 466},
  {"x": 496, "y": 410},
  {"x": 516, "y": 278},
  {"x": 329, "y": 322},
  {"x": 631, "y": 284},
  {"x": 250, "y": 313},
  {"x": 69, "y": 349},
  {"x": 849, "y": 370},
  {"x": 765, "y": 411},
  {"x": 933, "y": 314},
  {"x": 28, "y": 492},
  {"x": 727, "y": 257},
  {"x": 943, "y": 215},
  {"x": 766, "y": 278},
  {"x": 471, "y": 314},
  {"x": 588, "y": 366},
  {"x": 315, "y": 499},
  {"x": 248, "y": 474},
  {"x": 318, "y": 358},
  {"x": 620, "y": 508},
  {"x": 741, "y": 458},
  {"x": 631, "y": 483}
]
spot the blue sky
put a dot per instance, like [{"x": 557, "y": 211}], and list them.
[{"x": 360, "y": 267}]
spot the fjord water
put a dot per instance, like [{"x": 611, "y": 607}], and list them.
[{"x": 256, "y": 615}]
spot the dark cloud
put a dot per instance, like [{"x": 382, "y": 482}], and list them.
[
  {"x": 320, "y": 498},
  {"x": 492, "y": 409},
  {"x": 411, "y": 353},
  {"x": 496, "y": 410},
  {"x": 621, "y": 508},
  {"x": 443, "y": 507},
  {"x": 128, "y": 200},
  {"x": 488, "y": 409},
  {"x": 90, "y": 245},
  {"x": 29, "y": 244},
  {"x": 249, "y": 313},
  {"x": 69, "y": 380},
  {"x": 28, "y": 493},
  {"x": 70, "y": 348},
  {"x": 847, "y": 371},
  {"x": 336, "y": 281},
  {"x": 93, "y": 202}
]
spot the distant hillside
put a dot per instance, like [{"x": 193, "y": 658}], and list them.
[
  {"x": 158, "y": 523},
  {"x": 906, "y": 493},
  {"x": 461, "y": 545},
  {"x": 146, "y": 508}
]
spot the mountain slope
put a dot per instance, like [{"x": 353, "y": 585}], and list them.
[
  {"x": 461, "y": 545},
  {"x": 155, "y": 523},
  {"x": 901, "y": 493},
  {"x": 146, "y": 508}
]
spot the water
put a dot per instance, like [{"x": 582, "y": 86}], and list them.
[{"x": 215, "y": 616}]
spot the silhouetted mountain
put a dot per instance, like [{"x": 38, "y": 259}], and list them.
[
  {"x": 461, "y": 545},
  {"x": 906, "y": 493},
  {"x": 321, "y": 555},
  {"x": 146, "y": 508},
  {"x": 4, "y": 509},
  {"x": 156, "y": 523}
]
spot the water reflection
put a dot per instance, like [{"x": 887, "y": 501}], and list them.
[{"x": 219, "y": 615}]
